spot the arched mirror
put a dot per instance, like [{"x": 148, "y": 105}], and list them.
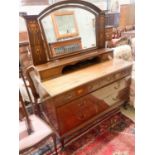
[{"x": 69, "y": 30}]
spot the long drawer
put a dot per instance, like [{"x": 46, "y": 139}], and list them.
[
  {"x": 79, "y": 111},
  {"x": 90, "y": 87}
]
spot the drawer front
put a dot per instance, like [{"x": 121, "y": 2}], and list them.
[
  {"x": 90, "y": 87},
  {"x": 109, "y": 79},
  {"x": 79, "y": 111},
  {"x": 121, "y": 95},
  {"x": 70, "y": 95},
  {"x": 113, "y": 88}
]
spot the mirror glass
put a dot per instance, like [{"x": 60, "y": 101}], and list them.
[{"x": 69, "y": 30}]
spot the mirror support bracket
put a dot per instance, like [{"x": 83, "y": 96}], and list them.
[{"x": 101, "y": 30}]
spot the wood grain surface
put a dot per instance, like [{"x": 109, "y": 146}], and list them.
[{"x": 72, "y": 80}]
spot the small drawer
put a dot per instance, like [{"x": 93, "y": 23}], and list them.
[
  {"x": 109, "y": 79},
  {"x": 112, "y": 88},
  {"x": 71, "y": 95},
  {"x": 112, "y": 97}
]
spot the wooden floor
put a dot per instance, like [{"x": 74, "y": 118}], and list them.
[{"x": 129, "y": 112}]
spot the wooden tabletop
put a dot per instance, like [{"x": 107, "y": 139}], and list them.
[{"x": 72, "y": 80}]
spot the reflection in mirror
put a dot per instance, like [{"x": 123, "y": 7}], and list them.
[
  {"x": 69, "y": 30},
  {"x": 64, "y": 24}
]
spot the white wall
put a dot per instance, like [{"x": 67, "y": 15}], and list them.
[
  {"x": 22, "y": 25},
  {"x": 124, "y": 2}
]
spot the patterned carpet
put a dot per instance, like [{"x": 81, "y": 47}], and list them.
[{"x": 112, "y": 137}]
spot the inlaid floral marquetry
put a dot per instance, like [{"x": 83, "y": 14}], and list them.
[{"x": 36, "y": 41}]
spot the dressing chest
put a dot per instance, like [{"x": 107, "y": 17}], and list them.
[{"x": 84, "y": 86}]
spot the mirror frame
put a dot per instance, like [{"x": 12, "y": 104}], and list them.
[{"x": 38, "y": 42}]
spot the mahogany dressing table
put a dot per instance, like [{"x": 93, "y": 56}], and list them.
[{"x": 84, "y": 85}]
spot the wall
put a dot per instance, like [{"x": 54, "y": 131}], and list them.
[{"x": 22, "y": 25}]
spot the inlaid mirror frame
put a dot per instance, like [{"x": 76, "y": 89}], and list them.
[{"x": 41, "y": 53}]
